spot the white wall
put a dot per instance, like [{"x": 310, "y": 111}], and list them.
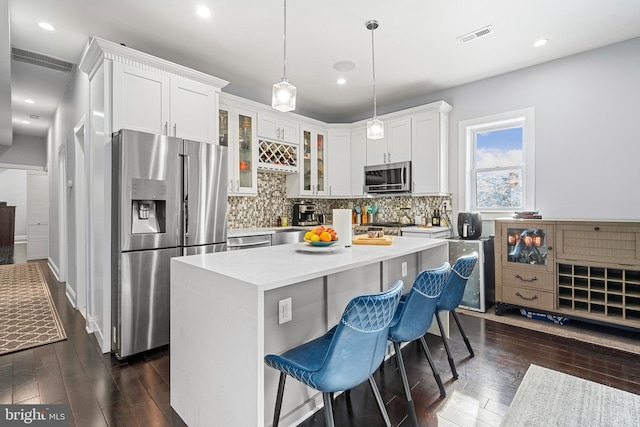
[
  {"x": 26, "y": 150},
  {"x": 587, "y": 139},
  {"x": 13, "y": 190},
  {"x": 71, "y": 109}
]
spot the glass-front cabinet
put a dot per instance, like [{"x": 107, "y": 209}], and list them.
[
  {"x": 237, "y": 130},
  {"x": 528, "y": 246},
  {"x": 313, "y": 162}
]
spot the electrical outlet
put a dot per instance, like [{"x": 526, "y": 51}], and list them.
[
  {"x": 284, "y": 310},
  {"x": 404, "y": 269}
]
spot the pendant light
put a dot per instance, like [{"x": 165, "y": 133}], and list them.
[
  {"x": 284, "y": 93},
  {"x": 375, "y": 127}
]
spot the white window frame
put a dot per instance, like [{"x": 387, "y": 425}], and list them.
[{"x": 466, "y": 132}]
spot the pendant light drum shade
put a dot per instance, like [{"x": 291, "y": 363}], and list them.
[
  {"x": 284, "y": 93},
  {"x": 375, "y": 127}
]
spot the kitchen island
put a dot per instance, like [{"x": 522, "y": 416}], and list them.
[{"x": 225, "y": 318}]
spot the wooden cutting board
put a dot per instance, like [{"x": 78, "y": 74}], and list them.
[{"x": 364, "y": 240}]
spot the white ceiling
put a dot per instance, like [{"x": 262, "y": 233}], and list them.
[{"x": 417, "y": 51}]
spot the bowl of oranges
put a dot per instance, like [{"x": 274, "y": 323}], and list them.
[{"x": 321, "y": 236}]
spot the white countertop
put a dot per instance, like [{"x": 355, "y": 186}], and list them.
[
  {"x": 427, "y": 230},
  {"x": 259, "y": 231},
  {"x": 276, "y": 266}
]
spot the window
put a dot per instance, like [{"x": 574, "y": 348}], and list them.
[{"x": 498, "y": 160}]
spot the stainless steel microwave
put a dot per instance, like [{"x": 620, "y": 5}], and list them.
[{"x": 388, "y": 178}]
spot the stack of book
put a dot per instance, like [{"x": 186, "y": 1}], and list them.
[{"x": 526, "y": 215}]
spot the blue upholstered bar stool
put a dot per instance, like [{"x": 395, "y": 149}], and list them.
[
  {"x": 412, "y": 320},
  {"x": 452, "y": 296},
  {"x": 344, "y": 357}
]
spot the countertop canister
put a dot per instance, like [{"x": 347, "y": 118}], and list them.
[{"x": 342, "y": 226}]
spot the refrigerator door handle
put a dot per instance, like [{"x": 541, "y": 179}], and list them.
[{"x": 185, "y": 197}]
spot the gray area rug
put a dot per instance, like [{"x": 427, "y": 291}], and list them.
[
  {"x": 606, "y": 337},
  {"x": 28, "y": 317},
  {"x": 550, "y": 398}
]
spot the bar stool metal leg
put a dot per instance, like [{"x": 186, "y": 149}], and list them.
[
  {"x": 436, "y": 375},
  {"x": 464, "y": 336},
  {"x": 446, "y": 346},
  {"x": 411, "y": 410},
  {"x": 376, "y": 393},
  {"x": 328, "y": 409},
  {"x": 276, "y": 413}
]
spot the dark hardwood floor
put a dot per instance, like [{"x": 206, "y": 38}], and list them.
[{"x": 103, "y": 391}]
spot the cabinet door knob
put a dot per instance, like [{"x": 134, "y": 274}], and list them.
[
  {"x": 175, "y": 129},
  {"x": 596, "y": 228},
  {"x": 549, "y": 248},
  {"x": 166, "y": 128}
]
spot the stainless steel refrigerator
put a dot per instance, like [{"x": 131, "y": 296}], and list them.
[{"x": 169, "y": 198}]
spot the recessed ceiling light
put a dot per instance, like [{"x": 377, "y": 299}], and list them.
[
  {"x": 34, "y": 116},
  {"x": 46, "y": 26},
  {"x": 540, "y": 42},
  {"x": 341, "y": 81},
  {"x": 29, "y": 101},
  {"x": 24, "y": 122},
  {"x": 203, "y": 11},
  {"x": 344, "y": 66}
]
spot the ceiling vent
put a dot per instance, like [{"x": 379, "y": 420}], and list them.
[
  {"x": 41, "y": 60},
  {"x": 476, "y": 34}
]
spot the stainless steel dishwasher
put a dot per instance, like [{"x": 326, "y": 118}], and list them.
[{"x": 248, "y": 242}]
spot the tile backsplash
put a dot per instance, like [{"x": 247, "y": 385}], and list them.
[{"x": 271, "y": 202}]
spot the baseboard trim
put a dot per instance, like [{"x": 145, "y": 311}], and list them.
[
  {"x": 54, "y": 269},
  {"x": 71, "y": 296},
  {"x": 92, "y": 328}
]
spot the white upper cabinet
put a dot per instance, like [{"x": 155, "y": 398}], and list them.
[
  {"x": 358, "y": 160},
  {"x": 276, "y": 129},
  {"x": 395, "y": 146},
  {"x": 140, "y": 98},
  {"x": 312, "y": 179},
  {"x": 238, "y": 133},
  {"x": 430, "y": 150},
  {"x": 150, "y": 94},
  {"x": 153, "y": 101},
  {"x": 339, "y": 163},
  {"x": 192, "y": 110}
]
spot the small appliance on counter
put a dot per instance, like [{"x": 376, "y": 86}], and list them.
[
  {"x": 304, "y": 214},
  {"x": 469, "y": 225}
]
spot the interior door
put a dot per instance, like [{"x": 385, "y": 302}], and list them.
[{"x": 37, "y": 215}]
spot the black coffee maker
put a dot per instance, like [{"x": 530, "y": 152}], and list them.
[
  {"x": 304, "y": 214},
  {"x": 469, "y": 225}
]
